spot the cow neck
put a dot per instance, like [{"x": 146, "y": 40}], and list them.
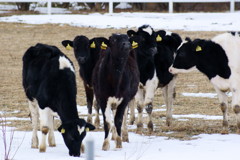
[{"x": 68, "y": 114}]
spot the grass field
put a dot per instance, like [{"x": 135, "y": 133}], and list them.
[{"x": 17, "y": 38}]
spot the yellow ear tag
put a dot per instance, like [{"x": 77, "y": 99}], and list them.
[
  {"x": 198, "y": 48},
  {"x": 68, "y": 47},
  {"x": 62, "y": 130},
  {"x": 87, "y": 129},
  {"x": 159, "y": 38},
  {"x": 93, "y": 45},
  {"x": 134, "y": 44},
  {"x": 103, "y": 46}
]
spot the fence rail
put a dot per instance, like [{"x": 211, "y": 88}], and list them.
[{"x": 110, "y": 2}]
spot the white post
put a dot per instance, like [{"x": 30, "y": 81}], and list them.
[
  {"x": 170, "y": 6},
  {"x": 49, "y": 7},
  {"x": 110, "y": 6},
  {"x": 232, "y": 5},
  {"x": 90, "y": 149}
]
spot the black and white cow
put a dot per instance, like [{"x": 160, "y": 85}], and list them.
[
  {"x": 115, "y": 83},
  {"x": 50, "y": 86},
  {"x": 154, "y": 56},
  {"x": 87, "y": 54},
  {"x": 145, "y": 52},
  {"x": 218, "y": 59}
]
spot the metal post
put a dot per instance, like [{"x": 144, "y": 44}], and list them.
[
  {"x": 90, "y": 149},
  {"x": 49, "y": 7},
  {"x": 110, "y": 6}
]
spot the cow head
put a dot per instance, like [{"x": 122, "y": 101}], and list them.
[
  {"x": 187, "y": 56},
  {"x": 83, "y": 47},
  {"x": 73, "y": 134},
  {"x": 145, "y": 37}
]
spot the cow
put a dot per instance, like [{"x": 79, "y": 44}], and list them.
[
  {"x": 218, "y": 59},
  {"x": 115, "y": 83},
  {"x": 167, "y": 44},
  {"x": 145, "y": 52},
  {"x": 87, "y": 54},
  {"x": 48, "y": 79}
]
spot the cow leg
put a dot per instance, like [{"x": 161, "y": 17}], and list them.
[
  {"x": 224, "y": 107},
  {"x": 139, "y": 100},
  {"x": 236, "y": 106},
  {"x": 118, "y": 119},
  {"x": 97, "y": 119},
  {"x": 107, "y": 125},
  {"x": 45, "y": 118},
  {"x": 124, "y": 127},
  {"x": 33, "y": 106},
  {"x": 131, "y": 105},
  {"x": 114, "y": 131},
  {"x": 51, "y": 138},
  {"x": 169, "y": 95},
  {"x": 89, "y": 95}
]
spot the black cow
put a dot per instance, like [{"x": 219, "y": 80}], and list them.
[
  {"x": 50, "y": 86},
  {"x": 87, "y": 54},
  {"x": 115, "y": 83},
  {"x": 218, "y": 59}
]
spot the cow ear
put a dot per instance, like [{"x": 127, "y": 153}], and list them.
[
  {"x": 67, "y": 44},
  {"x": 158, "y": 38},
  {"x": 188, "y": 39},
  {"x": 198, "y": 45},
  {"x": 92, "y": 44},
  {"x": 89, "y": 127},
  {"x": 131, "y": 33}
]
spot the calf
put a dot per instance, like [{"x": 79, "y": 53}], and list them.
[
  {"x": 147, "y": 48},
  {"x": 49, "y": 84},
  {"x": 87, "y": 54},
  {"x": 167, "y": 44},
  {"x": 115, "y": 82},
  {"x": 218, "y": 59}
]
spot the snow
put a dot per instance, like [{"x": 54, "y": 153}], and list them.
[
  {"x": 205, "y": 146},
  {"x": 175, "y": 21},
  {"x": 204, "y": 95}
]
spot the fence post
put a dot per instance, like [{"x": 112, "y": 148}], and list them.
[
  {"x": 49, "y": 7},
  {"x": 170, "y": 6},
  {"x": 110, "y": 10},
  {"x": 90, "y": 149},
  {"x": 232, "y": 5}
]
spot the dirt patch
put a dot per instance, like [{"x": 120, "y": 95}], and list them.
[{"x": 16, "y": 38}]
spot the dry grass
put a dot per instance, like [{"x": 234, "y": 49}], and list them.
[{"x": 16, "y": 38}]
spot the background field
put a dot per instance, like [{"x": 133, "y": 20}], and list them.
[{"x": 16, "y": 38}]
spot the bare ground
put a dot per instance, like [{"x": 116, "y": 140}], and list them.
[{"x": 16, "y": 38}]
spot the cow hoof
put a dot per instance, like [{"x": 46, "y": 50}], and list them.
[
  {"x": 82, "y": 148},
  {"x": 89, "y": 119},
  {"x": 106, "y": 145},
  {"x": 97, "y": 122},
  {"x": 34, "y": 146},
  {"x": 52, "y": 145},
  {"x": 42, "y": 149},
  {"x": 169, "y": 122},
  {"x": 139, "y": 128},
  {"x": 118, "y": 142},
  {"x": 150, "y": 127},
  {"x": 125, "y": 137}
]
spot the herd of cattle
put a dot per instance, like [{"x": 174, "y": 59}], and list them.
[{"x": 119, "y": 72}]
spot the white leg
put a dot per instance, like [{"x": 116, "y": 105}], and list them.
[
  {"x": 33, "y": 106},
  {"x": 169, "y": 100},
  {"x": 139, "y": 100},
  {"x": 97, "y": 119},
  {"x": 236, "y": 106},
  {"x": 45, "y": 118},
  {"x": 224, "y": 107},
  {"x": 132, "y": 111},
  {"x": 51, "y": 138}
]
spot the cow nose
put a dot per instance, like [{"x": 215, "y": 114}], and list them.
[
  {"x": 153, "y": 50},
  {"x": 126, "y": 45}
]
